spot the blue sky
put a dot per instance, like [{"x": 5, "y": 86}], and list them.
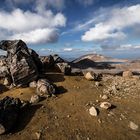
[{"x": 74, "y": 27}]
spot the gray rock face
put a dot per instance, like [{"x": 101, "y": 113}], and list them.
[{"x": 22, "y": 62}]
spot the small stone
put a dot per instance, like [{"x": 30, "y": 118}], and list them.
[
  {"x": 35, "y": 99},
  {"x": 127, "y": 74},
  {"x": 7, "y": 81},
  {"x": 33, "y": 84},
  {"x": 93, "y": 111},
  {"x": 38, "y": 135},
  {"x": 99, "y": 120},
  {"x": 97, "y": 84},
  {"x": 104, "y": 97},
  {"x": 68, "y": 116},
  {"x": 89, "y": 75},
  {"x": 2, "y": 129},
  {"x": 133, "y": 126},
  {"x": 97, "y": 101},
  {"x": 55, "y": 117},
  {"x": 105, "y": 105}
]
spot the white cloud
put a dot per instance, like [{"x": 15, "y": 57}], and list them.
[
  {"x": 122, "y": 47},
  {"x": 115, "y": 22},
  {"x": 32, "y": 27},
  {"x": 38, "y": 36},
  {"x": 68, "y": 49},
  {"x": 128, "y": 47}
]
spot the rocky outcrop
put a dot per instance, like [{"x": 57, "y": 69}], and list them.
[
  {"x": 23, "y": 63},
  {"x": 56, "y": 62}
]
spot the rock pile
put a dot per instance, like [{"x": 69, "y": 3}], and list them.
[{"x": 117, "y": 85}]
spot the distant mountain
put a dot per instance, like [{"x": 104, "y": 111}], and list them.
[{"x": 98, "y": 58}]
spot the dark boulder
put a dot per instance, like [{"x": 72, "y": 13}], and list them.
[
  {"x": 64, "y": 68},
  {"x": 22, "y": 62},
  {"x": 9, "y": 112}
]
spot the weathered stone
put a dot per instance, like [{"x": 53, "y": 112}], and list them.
[
  {"x": 133, "y": 126},
  {"x": 105, "y": 105},
  {"x": 4, "y": 71},
  {"x": 64, "y": 68},
  {"x": 58, "y": 59},
  {"x": 44, "y": 87},
  {"x": 7, "y": 81},
  {"x": 47, "y": 61},
  {"x": 33, "y": 84},
  {"x": 93, "y": 111},
  {"x": 35, "y": 99},
  {"x": 38, "y": 135},
  {"x": 97, "y": 84},
  {"x": 21, "y": 61},
  {"x": 127, "y": 74},
  {"x": 92, "y": 76},
  {"x": 104, "y": 97}
]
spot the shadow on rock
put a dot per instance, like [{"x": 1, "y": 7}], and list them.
[
  {"x": 3, "y": 88},
  {"x": 55, "y": 77},
  {"x": 25, "y": 117},
  {"x": 60, "y": 90}
]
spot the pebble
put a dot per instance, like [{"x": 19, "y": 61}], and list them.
[
  {"x": 97, "y": 84},
  {"x": 6, "y": 81},
  {"x": 105, "y": 105},
  {"x": 99, "y": 121},
  {"x": 133, "y": 126},
  {"x": 93, "y": 111},
  {"x": 33, "y": 84},
  {"x": 104, "y": 97},
  {"x": 68, "y": 116},
  {"x": 38, "y": 135},
  {"x": 35, "y": 99}
]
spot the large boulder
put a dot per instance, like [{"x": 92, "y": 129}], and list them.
[
  {"x": 9, "y": 112},
  {"x": 22, "y": 62}
]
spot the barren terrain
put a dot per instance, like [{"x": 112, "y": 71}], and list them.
[{"x": 67, "y": 117}]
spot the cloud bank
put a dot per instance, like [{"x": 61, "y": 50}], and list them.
[
  {"x": 114, "y": 25},
  {"x": 40, "y": 26}
]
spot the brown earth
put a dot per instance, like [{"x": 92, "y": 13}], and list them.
[{"x": 66, "y": 117}]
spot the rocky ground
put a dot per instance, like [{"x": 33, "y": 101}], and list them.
[
  {"x": 98, "y": 100},
  {"x": 77, "y": 112}
]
